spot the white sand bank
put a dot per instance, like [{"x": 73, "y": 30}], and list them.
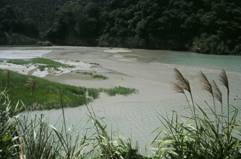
[{"x": 33, "y": 69}]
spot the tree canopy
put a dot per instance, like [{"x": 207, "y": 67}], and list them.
[{"x": 202, "y": 25}]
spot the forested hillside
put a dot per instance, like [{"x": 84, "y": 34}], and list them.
[{"x": 207, "y": 26}]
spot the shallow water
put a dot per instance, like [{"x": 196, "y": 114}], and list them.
[
  {"x": 21, "y": 54},
  {"x": 151, "y": 73},
  {"x": 227, "y": 62}
]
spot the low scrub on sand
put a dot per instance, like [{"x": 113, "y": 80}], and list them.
[{"x": 211, "y": 131}]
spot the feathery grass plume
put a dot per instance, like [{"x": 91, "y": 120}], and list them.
[
  {"x": 208, "y": 87},
  {"x": 218, "y": 96},
  {"x": 185, "y": 85},
  {"x": 206, "y": 84},
  {"x": 224, "y": 79},
  {"x": 182, "y": 81},
  {"x": 213, "y": 138},
  {"x": 178, "y": 88},
  {"x": 217, "y": 92}
]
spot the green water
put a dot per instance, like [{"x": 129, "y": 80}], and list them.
[{"x": 227, "y": 62}]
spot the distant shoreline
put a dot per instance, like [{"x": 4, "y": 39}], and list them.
[{"x": 109, "y": 47}]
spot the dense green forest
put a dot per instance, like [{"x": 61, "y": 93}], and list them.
[{"x": 206, "y": 26}]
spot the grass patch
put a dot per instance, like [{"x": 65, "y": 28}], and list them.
[
  {"x": 119, "y": 91},
  {"x": 41, "y": 62},
  {"x": 37, "y": 93}
]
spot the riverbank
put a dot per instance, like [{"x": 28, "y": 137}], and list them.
[
  {"x": 35, "y": 93},
  {"x": 180, "y": 137},
  {"x": 148, "y": 71}
]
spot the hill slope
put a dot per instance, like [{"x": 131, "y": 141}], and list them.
[{"x": 200, "y": 25}]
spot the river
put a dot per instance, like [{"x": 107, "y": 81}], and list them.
[{"x": 148, "y": 71}]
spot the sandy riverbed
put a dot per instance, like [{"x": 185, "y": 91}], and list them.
[
  {"x": 151, "y": 73},
  {"x": 33, "y": 69}
]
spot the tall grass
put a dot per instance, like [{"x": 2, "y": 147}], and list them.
[
  {"x": 42, "y": 141},
  {"x": 215, "y": 134},
  {"x": 37, "y": 93},
  {"x": 34, "y": 138},
  {"x": 109, "y": 147},
  {"x": 8, "y": 133}
]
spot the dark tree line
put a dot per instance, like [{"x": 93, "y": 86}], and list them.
[{"x": 207, "y": 26}]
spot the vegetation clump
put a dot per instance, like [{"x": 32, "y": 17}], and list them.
[
  {"x": 28, "y": 138},
  {"x": 41, "y": 62},
  {"x": 119, "y": 91},
  {"x": 210, "y": 132},
  {"x": 95, "y": 75},
  {"x": 153, "y": 24},
  {"x": 37, "y": 93}
]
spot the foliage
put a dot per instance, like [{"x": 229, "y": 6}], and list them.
[
  {"x": 8, "y": 139},
  {"x": 201, "y": 25},
  {"x": 209, "y": 133},
  {"x": 41, "y": 62},
  {"x": 119, "y": 91},
  {"x": 37, "y": 93},
  {"x": 36, "y": 139},
  {"x": 107, "y": 146}
]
